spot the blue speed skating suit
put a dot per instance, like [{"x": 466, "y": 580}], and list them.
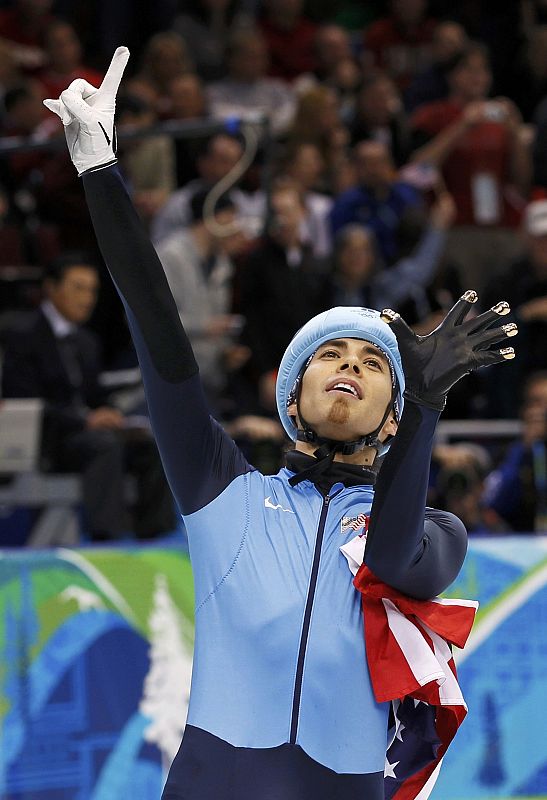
[{"x": 281, "y": 705}]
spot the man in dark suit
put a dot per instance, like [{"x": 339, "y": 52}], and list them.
[{"x": 49, "y": 355}]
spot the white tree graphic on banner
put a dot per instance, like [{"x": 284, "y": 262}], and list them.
[{"x": 166, "y": 687}]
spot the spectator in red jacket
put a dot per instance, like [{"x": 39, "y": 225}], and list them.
[{"x": 486, "y": 165}]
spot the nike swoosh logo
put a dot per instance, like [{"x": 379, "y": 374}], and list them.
[
  {"x": 105, "y": 133},
  {"x": 268, "y": 504}
]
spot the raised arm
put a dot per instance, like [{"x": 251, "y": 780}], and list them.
[
  {"x": 416, "y": 550},
  {"x": 199, "y": 458}
]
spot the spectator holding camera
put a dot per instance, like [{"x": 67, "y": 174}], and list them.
[{"x": 478, "y": 145}]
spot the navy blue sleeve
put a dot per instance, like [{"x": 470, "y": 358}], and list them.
[
  {"x": 417, "y": 550},
  {"x": 199, "y": 458}
]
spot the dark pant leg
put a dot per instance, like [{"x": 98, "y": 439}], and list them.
[
  {"x": 99, "y": 456},
  {"x": 154, "y": 509}
]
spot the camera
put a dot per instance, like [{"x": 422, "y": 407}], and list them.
[{"x": 494, "y": 112}]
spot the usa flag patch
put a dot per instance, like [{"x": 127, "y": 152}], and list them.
[{"x": 355, "y": 524}]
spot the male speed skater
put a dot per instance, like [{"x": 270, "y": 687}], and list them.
[{"x": 282, "y": 706}]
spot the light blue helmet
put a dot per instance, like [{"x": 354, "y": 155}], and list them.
[{"x": 341, "y": 322}]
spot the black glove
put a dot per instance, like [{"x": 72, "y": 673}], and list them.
[{"x": 434, "y": 363}]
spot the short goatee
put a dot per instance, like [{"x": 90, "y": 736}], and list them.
[{"x": 339, "y": 411}]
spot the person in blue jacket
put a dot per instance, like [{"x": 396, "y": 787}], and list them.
[{"x": 281, "y": 703}]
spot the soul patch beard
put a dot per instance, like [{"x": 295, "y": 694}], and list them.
[{"x": 339, "y": 411}]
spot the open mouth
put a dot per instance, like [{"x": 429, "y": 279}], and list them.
[{"x": 345, "y": 388}]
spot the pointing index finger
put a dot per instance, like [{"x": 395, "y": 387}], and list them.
[{"x": 115, "y": 71}]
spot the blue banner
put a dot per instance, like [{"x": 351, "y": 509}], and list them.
[{"x": 95, "y": 666}]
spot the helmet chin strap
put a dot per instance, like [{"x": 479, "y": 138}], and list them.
[{"x": 328, "y": 448}]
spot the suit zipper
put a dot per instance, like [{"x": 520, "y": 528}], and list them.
[{"x": 307, "y": 620}]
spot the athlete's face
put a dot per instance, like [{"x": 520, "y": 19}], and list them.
[{"x": 346, "y": 390}]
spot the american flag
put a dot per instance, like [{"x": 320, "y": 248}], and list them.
[
  {"x": 410, "y": 660},
  {"x": 354, "y": 523}
]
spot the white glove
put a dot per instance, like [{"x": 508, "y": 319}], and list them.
[{"x": 88, "y": 116}]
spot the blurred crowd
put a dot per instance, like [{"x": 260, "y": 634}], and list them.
[{"x": 400, "y": 160}]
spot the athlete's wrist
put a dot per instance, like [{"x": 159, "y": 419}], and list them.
[{"x": 112, "y": 162}]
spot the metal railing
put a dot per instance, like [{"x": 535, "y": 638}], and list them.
[
  {"x": 477, "y": 429},
  {"x": 175, "y": 129}
]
